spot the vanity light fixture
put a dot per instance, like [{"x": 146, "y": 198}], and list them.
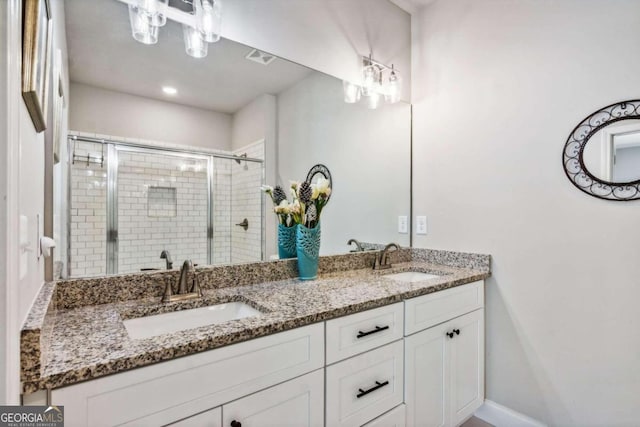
[
  {"x": 154, "y": 11},
  {"x": 375, "y": 85},
  {"x": 199, "y": 28},
  {"x": 141, "y": 28},
  {"x": 352, "y": 92},
  {"x": 194, "y": 44},
  {"x": 208, "y": 19},
  {"x": 394, "y": 87},
  {"x": 169, "y": 90}
]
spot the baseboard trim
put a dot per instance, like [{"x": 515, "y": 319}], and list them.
[{"x": 501, "y": 416}]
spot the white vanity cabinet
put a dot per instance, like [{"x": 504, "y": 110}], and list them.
[
  {"x": 165, "y": 393},
  {"x": 415, "y": 363},
  {"x": 444, "y": 364},
  {"x": 210, "y": 418}
]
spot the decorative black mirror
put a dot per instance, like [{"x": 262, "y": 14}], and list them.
[
  {"x": 602, "y": 154},
  {"x": 321, "y": 170}
]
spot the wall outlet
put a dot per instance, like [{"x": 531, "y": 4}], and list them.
[
  {"x": 403, "y": 224},
  {"x": 421, "y": 225}
]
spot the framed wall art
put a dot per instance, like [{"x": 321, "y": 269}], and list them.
[{"x": 36, "y": 47}]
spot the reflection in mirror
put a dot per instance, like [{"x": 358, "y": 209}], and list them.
[
  {"x": 612, "y": 154},
  {"x": 167, "y": 153}
]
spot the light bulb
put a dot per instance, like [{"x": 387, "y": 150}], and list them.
[
  {"x": 193, "y": 42},
  {"x": 208, "y": 18},
  {"x": 394, "y": 87},
  {"x": 370, "y": 76},
  {"x": 351, "y": 92},
  {"x": 373, "y": 100},
  {"x": 141, "y": 28},
  {"x": 155, "y": 11}
]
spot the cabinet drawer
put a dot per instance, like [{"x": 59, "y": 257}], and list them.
[
  {"x": 295, "y": 403},
  {"x": 357, "y": 333},
  {"x": 394, "y": 418},
  {"x": 365, "y": 386},
  {"x": 429, "y": 310},
  {"x": 211, "y": 418},
  {"x": 170, "y": 391}
]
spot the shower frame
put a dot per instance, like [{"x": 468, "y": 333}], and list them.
[{"x": 113, "y": 147}]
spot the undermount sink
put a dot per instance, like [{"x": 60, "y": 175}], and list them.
[
  {"x": 411, "y": 276},
  {"x": 166, "y": 323}
]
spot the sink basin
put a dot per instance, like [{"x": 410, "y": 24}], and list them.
[
  {"x": 166, "y": 323},
  {"x": 411, "y": 276}
]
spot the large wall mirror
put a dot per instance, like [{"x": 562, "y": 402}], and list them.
[
  {"x": 166, "y": 153},
  {"x": 602, "y": 154}
]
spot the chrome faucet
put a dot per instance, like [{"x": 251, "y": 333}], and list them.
[
  {"x": 359, "y": 247},
  {"x": 167, "y": 256},
  {"x": 185, "y": 291},
  {"x": 381, "y": 262}
]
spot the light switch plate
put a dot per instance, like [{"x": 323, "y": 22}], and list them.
[
  {"x": 403, "y": 224},
  {"x": 421, "y": 225}
]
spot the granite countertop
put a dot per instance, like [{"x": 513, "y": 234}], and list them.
[{"x": 91, "y": 341}]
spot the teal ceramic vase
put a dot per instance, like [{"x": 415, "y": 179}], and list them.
[
  {"x": 287, "y": 241},
  {"x": 308, "y": 248}
]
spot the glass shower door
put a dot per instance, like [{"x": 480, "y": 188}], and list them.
[{"x": 161, "y": 204}]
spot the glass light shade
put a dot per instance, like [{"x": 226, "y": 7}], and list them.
[
  {"x": 373, "y": 100},
  {"x": 155, "y": 11},
  {"x": 208, "y": 18},
  {"x": 193, "y": 42},
  {"x": 394, "y": 88},
  {"x": 141, "y": 28},
  {"x": 370, "y": 77},
  {"x": 351, "y": 92}
]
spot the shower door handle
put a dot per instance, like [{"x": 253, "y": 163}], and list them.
[
  {"x": 244, "y": 224},
  {"x": 112, "y": 235}
]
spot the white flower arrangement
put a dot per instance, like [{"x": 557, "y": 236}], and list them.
[{"x": 308, "y": 200}]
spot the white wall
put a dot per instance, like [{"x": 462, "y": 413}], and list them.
[
  {"x": 498, "y": 87},
  {"x": 326, "y": 35},
  {"x": 366, "y": 151},
  {"x": 22, "y": 190},
  {"x": 249, "y": 123},
  {"x": 108, "y": 112}
]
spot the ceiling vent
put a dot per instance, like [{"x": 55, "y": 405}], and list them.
[{"x": 260, "y": 57}]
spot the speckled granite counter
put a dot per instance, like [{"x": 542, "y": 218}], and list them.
[{"x": 72, "y": 340}]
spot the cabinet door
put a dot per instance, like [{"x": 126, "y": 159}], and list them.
[
  {"x": 295, "y": 403},
  {"x": 467, "y": 365},
  {"x": 210, "y": 418},
  {"x": 427, "y": 377},
  {"x": 394, "y": 418}
]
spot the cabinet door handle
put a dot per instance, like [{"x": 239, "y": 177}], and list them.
[
  {"x": 373, "y": 331},
  {"x": 452, "y": 334},
  {"x": 374, "y": 388},
  {"x": 235, "y": 423}
]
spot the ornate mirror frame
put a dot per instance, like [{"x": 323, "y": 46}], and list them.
[{"x": 573, "y": 161}]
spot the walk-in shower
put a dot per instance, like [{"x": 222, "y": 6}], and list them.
[{"x": 129, "y": 203}]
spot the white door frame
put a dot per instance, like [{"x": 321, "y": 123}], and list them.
[{"x": 10, "y": 98}]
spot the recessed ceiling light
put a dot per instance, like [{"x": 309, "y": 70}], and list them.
[{"x": 169, "y": 90}]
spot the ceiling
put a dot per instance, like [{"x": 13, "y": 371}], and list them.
[
  {"x": 412, "y": 6},
  {"x": 103, "y": 53}
]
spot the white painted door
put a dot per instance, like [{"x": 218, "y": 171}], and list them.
[
  {"x": 467, "y": 365},
  {"x": 295, "y": 403},
  {"x": 427, "y": 377}
]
